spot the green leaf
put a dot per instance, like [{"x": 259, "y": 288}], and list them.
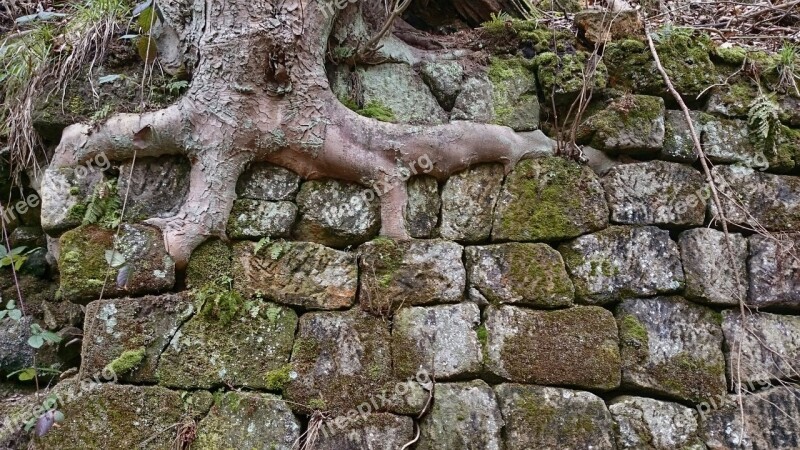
[
  {"x": 3, "y": 314},
  {"x": 27, "y": 374},
  {"x": 115, "y": 259},
  {"x": 50, "y": 337},
  {"x": 17, "y": 251},
  {"x": 15, "y": 315},
  {"x": 36, "y": 341},
  {"x": 11, "y": 304},
  {"x": 18, "y": 263}
]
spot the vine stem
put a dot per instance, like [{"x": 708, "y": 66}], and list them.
[{"x": 698, "y": 148}]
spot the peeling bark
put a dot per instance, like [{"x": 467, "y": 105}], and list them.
[{"x": 259, "y": 92}]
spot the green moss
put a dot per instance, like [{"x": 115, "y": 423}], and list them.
[
  {"x": 385, "y": 257},
  {"x": 548, "y": 40},
  {"x": 126, "y": 362},
  {"x": 575, "y": 346},
  {"x": 277, "y": 379},
  {"x": 83, "y": 262},
  {"x": 561, "y": 76},
  {"x": 734, "y": 56},
  {"x": 538, "y": 415},
  {"x": 219, "y": 303},
  {"x": 685, "y": 58},
  {"x": 317, "y": 404},
  {"x": 377, "y": 110},
  {"x": 632, "y": 332},
  {"x": 551, "y": 199},
  {"x": 688, "y": 377},
  {"x": 210, "y": 260}
]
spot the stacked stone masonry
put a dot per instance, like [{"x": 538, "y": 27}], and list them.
[{"x": 556, "y": 306}]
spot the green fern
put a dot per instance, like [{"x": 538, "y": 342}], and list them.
[
  {"x": 763, "y": 120},
  {"x": 104, "y": 206}
]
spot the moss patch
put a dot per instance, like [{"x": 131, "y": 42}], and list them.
[
  {"x": 126, "y": 362},
  {"x": 685, "y": 58},
  {"x": 275, "y": 380},
  {"x": 561, "y": 75},
  {"x": 549, "y": 199},
  {"x": 211, "y": 260}
]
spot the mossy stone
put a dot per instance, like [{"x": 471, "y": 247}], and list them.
[{"x": 549, "y": 199}]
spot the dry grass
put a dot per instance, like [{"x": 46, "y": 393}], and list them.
[{"x": 44, "y": 57}]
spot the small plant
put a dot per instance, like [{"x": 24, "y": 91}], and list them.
[
  {"x": 104, "y": 206},
  {"x": 30, "y": 373},
  {"x": 276, "y": 249},
  {"x": 763, "y": 119},
  {"x": 175, "y": 87},
  {"x": 11, "y": 311},
  {"x": 219, "y": 300},
  {"x": 787, "y": 64},
  {"x": 39, "y": 336},
  {"x": 16, "y": 257}
]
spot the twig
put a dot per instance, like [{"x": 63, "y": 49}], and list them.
[
  {"x": 372, "y": 45},
  {"x": 715, "y": 194}
]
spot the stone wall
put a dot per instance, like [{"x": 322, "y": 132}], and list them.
[{"x": 557, "y": 306}]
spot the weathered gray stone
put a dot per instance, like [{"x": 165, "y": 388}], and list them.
[
  {"x": 671, "y": 347},
  {"x": 514, "y": 95},
  {"x": 539, "y": 417},
  {"x": 770, "y": 421},
  {"x": 599, "y": 28},
  {"x": 253, "y": 219},
  {"x": 94, "y": 259},
  {"x": 422, "y": 210},
  {"x": 655, "y": 193},
  {"x": 145, "y": 325},
  {"x": 156, "y": 187},
  {"x": 678, "y": 144},
  {"x": 468, "y": 200},
  {"x": 712, "y": 274},
  {"x": 528, "y": 274},
  {"x": 30, "y": 237},
  {"x": 336, "y": 214},
  {"x": 248, "y": 421},
  {"x": 789, "y": 110},
  {"x": 15, "y": 353},
  {"x": 63, "y": 192},
  {"x": 444, "y": 78},
  {"x": 632, "y": 124},
  {"x": 267, "y": 182},
  {"x": 371, "y": 431},
  {"x": 731, "y": 100},
  {"x": 208, "y": 350},
  {"x": 621, "y": 262},
  {"x": 439, "y": 339},
  {"x": 762, "y": 347},
  {"x": 120, "y": 416},
  {"x": 404, "y": 273},
  {"x": 774, "y": 271},
  {"x": 398, "y": 88},
  {"x": 549, "y": 199},
  {"x": 341, "y": 360},
  {"x": 463, "y": 416},
  {"x": 654, "y": 424},
  {"x": 728, "y": 141},
  {"x": 296, "y": 273},
  {"x": 474, "y": 102},
  {"x": 575, "y": 347},
  {"x": 771, "y": 200}
]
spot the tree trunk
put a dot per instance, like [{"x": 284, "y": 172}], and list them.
[{"x": 259, "y": 92}]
